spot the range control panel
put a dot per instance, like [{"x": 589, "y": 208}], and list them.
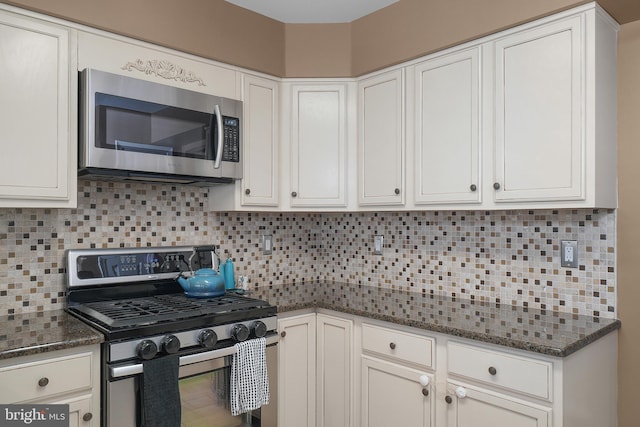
[{"x": 85, "y": 267}]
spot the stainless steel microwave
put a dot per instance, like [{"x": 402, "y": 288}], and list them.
[{"x": 132, "y": 129}]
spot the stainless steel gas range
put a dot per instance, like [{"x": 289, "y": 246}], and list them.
[{"x": 132, "y": 297}]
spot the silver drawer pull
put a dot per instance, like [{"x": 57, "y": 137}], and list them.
[
  {"x": 43, "y": 382},
  {"x": 392, "y": 346}
]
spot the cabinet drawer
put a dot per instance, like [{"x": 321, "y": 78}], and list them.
[
  {"x": 47, "y": 378},
  {"x": 398, "y": 345},
  {"x": 529, "y": 376}
]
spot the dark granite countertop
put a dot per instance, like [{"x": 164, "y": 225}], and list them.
[
  {"x": 547, "y": 332},
  {"x": 34, "y": 333}
]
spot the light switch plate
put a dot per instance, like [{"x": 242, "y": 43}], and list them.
[
  {"x": 267, "y": 244},
  {"x": 378, "y": 244},
  {"x": 569, "y": 253}
]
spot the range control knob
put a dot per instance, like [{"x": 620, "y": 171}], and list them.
[
  {"x": 259, "y": 329},
  {"x": 207, "y": 338},
  {"x": 239, "y": 332},
  {"x": 146, "y": 350},
  {"x": 170, "y": 344}
]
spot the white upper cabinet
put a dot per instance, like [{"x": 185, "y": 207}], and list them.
[
  {"x": 447, "y": 129},
  {"x": 381, "y": 140},
  {"x": 38, "y": 113},
  {"x": 538, "y": 114},
  {"x": 119, "y": 55},
  {"x": 259, "y": 187},
  {"x": 318, "y": 145},
  {"x": 260, "y": 153},
  {"x": 554, "y": 118}
]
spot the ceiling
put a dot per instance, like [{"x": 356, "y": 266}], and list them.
[{"x": 313, "y": 11}]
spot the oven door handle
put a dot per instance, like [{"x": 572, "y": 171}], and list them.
[{"x": 116, "y": 372}]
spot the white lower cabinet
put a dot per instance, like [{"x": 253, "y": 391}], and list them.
[
  {"x": 392, "y": 395},
  {"x": 471, "y": 407},
  {"x": 69, "y": 377},
  {"x": 334, "y": 373},
  {"x": 296, "y": 371},
  {"x": 338, "y": 370},
  {"x": 80, "y": 412},
  {"x": 397, "y": 381}
]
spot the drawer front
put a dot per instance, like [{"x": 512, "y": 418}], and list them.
[
  {"x": 398, "y": 345},
  {"x": 529, "y": 376},
  {"x": 47, "y": 378}
]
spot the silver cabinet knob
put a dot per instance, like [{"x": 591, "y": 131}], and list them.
[
  {"x": 247, "y": 191},
  {"x": 448, "y": 399},
  {"x": 294, "y": 194},
  {"x": 392, "y": 346},
  {"x": 397, "y": 191},
  {"x": 496, "y": 185},
  {"x": 43, "y": 382},
  {"x": 493, "y": 370},
  {"x": 87, "y": 417},
  {"x": 473, "y": 187},
  {"x": 425, "y": 391}
]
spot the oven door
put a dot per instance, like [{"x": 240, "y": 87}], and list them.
[{"x": 204, "y": 393}]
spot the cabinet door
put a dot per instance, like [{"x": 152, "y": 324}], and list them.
[
  {"x": 447, "y": 137},
  {"x": 476, "y": 408},
  {"x": 334, "y": 375},
  {"x": 296, "y": 371},
  {"x": 260, "y": 175},
  {"x": 37, "y": 113},
  {"x": 80, "y": 412},
  {"x": 539, "y": 133},
  {"x": 393, "y": 396},
  {"x": 319, "y": 145},
  {"x": 381, "y": 140}
]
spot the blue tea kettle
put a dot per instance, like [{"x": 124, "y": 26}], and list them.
[{"x": 205, "y": 283}]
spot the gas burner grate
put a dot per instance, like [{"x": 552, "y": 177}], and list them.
[{"x": 144, "y": 311}]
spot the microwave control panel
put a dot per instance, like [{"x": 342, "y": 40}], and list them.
[{"x": 231, "y": 148}]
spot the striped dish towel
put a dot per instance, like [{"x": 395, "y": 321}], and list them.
[{"x": 249, "y": 381}]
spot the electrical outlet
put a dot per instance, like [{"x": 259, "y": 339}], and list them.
[
  {"x": 378, "y": 244},
  {"x": 569, "y": 253},
  {"x": 267, "y": 244}
]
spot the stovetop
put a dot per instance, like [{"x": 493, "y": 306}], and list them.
[
  {"x": 138, "y": 312},
  {"x": 149, "y": 315}
]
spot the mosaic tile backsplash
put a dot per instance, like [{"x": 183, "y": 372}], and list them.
[{"x": 511, "y": 257}]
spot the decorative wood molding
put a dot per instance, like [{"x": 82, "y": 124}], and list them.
[{"x": 164, "y": 69}]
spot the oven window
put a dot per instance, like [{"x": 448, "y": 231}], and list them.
[
  {"x": 206, "y": 401},
  {"x": 125, "y": 124}
]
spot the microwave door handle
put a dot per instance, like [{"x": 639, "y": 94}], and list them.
[{"x": 220, "y": 137}]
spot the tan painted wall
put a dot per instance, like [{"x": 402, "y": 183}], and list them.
[
  {"x": 628, "y": 247},
  {"x": 318, "y": 50}
]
